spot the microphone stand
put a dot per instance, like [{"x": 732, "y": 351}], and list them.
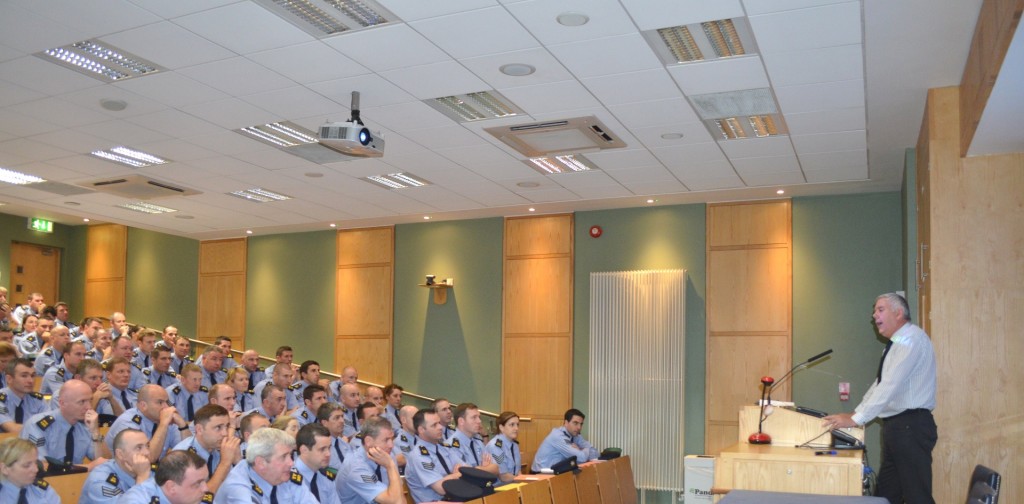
[
  {"x": 768, "y": 385},
  {"x": 791, "y": 371}
]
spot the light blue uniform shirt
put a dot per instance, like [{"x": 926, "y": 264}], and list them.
[
  {"x": 146, "y": 492},
  {"x": 325, "y": 482},
  {"x": 39, "y": 492},
  {"x": 425, "y": 467},
  {"x": 244, "y": 486},
  {"x": 49, "y": 430},
  {"x": 54, "y": 378},
  {"x": 48, "y": 359},
  {"x": 134, "y": 419},
  {"x": 31, "y": 404},
  {"x": 105, "y": 482},
  {"x": 506, "y": 454},
  {"x": 471, "y": 448},
  {"x": 559, "y": 446},
  {"x": 361, "y": 480}
]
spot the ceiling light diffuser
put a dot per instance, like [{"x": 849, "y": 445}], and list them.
[
  {"x": 324, "y": 18},
  {"x": 710, "y": 40},
  {"x": 397, "y": 180},
  {"x": 477, "y": 106},
  {"x": 567, "y": 163},
  {"x": 100, "y": 60},
  {"x": 147, "y": 208},
  {"x": 128, "y": 156},
  {"x": 259, "y": 195},
  {"x": 18, "y": 178}
]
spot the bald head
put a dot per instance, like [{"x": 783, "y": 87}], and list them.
[
  {"x": 75, "y": 400},
  {"x": 149, "y": 391},
  {"x": 405, "y": 416},
  {"x": 350, "y": 396},
  {"x": 349, "y": 375}
]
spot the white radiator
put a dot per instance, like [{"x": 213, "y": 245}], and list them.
[{"x": 637, "y": 341}]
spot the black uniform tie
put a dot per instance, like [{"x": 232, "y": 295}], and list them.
[
  {"x": 273, "y": 496},
  {"x": 209, "y": 464},
  {"x": 337, "y": 448},
  {"x": 444, "y": 464},
  {"x": 213, "y": 379},
  {"x": 124, "y": 400},
  {"x": 313, "y": 488},
  {"x": 884, "y": 353},
  {"x": 377, "y": 472},
  {"x": 472, "y": 448},
  {"x": 19, "y": 413},
  {"x": 69, "y": 446},
  {"x": 190, "y": 410},
  {"x": 160, "y": 380},
  {"x": 23, "y": 496}
]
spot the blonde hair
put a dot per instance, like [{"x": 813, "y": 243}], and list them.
[
  {"x": 12, "y": 449},
  {"x": 281, "y": 422}
]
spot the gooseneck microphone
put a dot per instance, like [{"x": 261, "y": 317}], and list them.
[{"x": 791, "y": 371}]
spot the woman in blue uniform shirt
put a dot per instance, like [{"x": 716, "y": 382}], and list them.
[
  {"x": 504, "y": 447},
  {"x": 18, "y": 470}
]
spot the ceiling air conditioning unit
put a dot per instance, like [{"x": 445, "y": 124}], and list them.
[
  {"x": 579, "y": 134},
  {"x": 138, "y": 187}
]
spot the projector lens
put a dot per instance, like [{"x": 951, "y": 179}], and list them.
[{"x": 364, "y": 136}]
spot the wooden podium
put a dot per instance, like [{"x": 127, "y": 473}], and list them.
[{"x": 780, "y": 466}]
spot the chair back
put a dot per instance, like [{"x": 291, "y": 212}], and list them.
[{"x": 984, "y": 486}]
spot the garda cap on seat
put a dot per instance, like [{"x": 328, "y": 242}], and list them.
[{"x": 472, "y": 484}]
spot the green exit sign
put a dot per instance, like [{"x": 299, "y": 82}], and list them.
[{"x": 40, "y": 225}]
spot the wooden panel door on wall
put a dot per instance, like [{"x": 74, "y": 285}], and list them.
[
  {"x": 221, "y": 297},
  {"x": 537, "y": 334},
  {"x": 34, "y": 268},
  {"x": 364, "y": 331},
  {"x": 749, "y": 310},
  {"x": 106, "y": 253}
]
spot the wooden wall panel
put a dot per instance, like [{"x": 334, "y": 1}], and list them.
[
  {"x": 364, "y": 326},
  {"x": 749, "y": 310},
  {"x": 106, "y": 253},
  {"x": 222, "y": 283},
  {"x": 537, "y": 337},
  {"x": 976, "y": 289}
]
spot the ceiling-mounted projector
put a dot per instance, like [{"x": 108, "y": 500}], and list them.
[{"x": 352, "y": 137}]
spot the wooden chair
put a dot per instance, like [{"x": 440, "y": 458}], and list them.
[
  {"x": 68, "y": 486},
  {"x": 503, "y": 497},
  {"x": 627, "y": 487},
  {"x": 586, "y": 486},
  {"x": 608, "y": 483},
  {"x": 563, "y": 489},
  {"x": 538, "y": 492}
]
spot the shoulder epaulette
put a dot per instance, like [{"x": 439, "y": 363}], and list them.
[
  {"x": 41, "y": 484},
  {"x": 256, "y": 488},
  {"x": 60, "y": 371},
  {"x": 305, "y": 415},
  {"x": 498, "y": 443},
  {"x": 112, "y": 479},
  {"x": 202, "y": 388},
  {"x": 3, "y": 396},
  {"x": 134, "y": 391},
  {"x": 172, "y": 374},
  {"x": 296, "y": 477},
  {"x": 177, "y": 389},
  {"x": 48, "y": 352},
  {"x": 359, "y": 435},
  {"x": 453, "y": 444},
  {"x": 45, "y": 422},
  {"x": 192, "y": 449},
  {"x": 154, "y": 500},
  {"x": 294, "y": 386},
  {"x": 260, "y": 369},
  {"x": 137, "y": 366},
  {"x": 207, "y": 498},
  {"x": 423, "y": 450},
  {"x": 328, "y": 474},
  {"x": 147, "y": 372},
  {"x": 137, "y": 419},
  {"x": 36, "y": 395}
]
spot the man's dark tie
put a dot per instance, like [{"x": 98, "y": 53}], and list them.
[
  {"x": 190, "y": 410},
  {"x": 160, "y": 379},
  {"x": 19, "y": 413},
  {"x": 337, "y": 448},
  {"x": 355, "y": 423},
  {"x": 313, "y": 488},
  {"x": 209, "y": 464},
  {"x": 124, "y": 400},
  {"x": 69, "y": 446},
  {"x": 273, "y": 496},
  {"x": 23, "y": 496},
  {"x": 441, "y": 459},
  {"x": 250, "y": 387},
  {"x": 884, "y": 353},
  {"x": 377, "y": 472},
  {"x": 472, "y": 448},
  {"x": 213, "y": 379},
  {"x": 181, "y": 364}
]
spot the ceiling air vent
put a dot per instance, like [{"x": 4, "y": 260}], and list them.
[
  {"x": 139, "y": 187},
  {"x": 579, "y": 134}
]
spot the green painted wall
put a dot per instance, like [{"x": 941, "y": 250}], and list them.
[
  {"x": 669, "y": 237},
  {"x": 909, "y": 199},
  {"x": 846, "y": 251},
  {"x": 290, "y": 295},
  {"x": 451, "y": 350},
  {"x": 71, "y": 241},
  {"x": 162, "y": 280}
]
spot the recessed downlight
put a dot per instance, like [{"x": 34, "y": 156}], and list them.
[
  {"x": 780, "y": 192},
  {"x": 572, "y": 19},
  {"x": 426, "y": 217},
  {"x": 85, "y": 219},
  {"x": 533, "y": 209},
  {"x": 333, "y": 225},
  {"x": 113, "y": 105},
  {"x": 651, "y": 201},
  {"x": 517, "y": 69},
  {"x": 248, "y": 231}
]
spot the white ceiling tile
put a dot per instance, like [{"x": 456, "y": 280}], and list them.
[
  {"x": 837, "y": 174},
  {"x": 179, "y": 7},
  {"x": 826, "y": 121},
  {"x": 822, "y": 96},
  {"x": 488, "y": 68},
  {"x": 237, "y": 76},
  {"x": 551, "y": 97},
  {"x": 16, "y": 123},
  {"x": 489, "y": 162},
  {"x": 632, "y": 87},
  {"x": 168, "y": 45},
  {"x": 45, "y": 77},
  {"x": 441, "y": 198},
  {"x": 173, "y": 89},
  {"x": 643, "y": 174},
  {"x": 231, "y": 113},
  {"x": 450, "y": 174},
  {"x": 607, "y": 18},
  {"x": 778, "y": 164},
  {"x": 603, "y": 191},
  {"x": 656, "y": 188},
  {"x": 815, "y": 65},
  {"x": 30, "y": 32},
  {"x": 228, "y": 142},
  {"x": 374, "y": 91},
  {"x": 388, "y": 47},
  {"x": 404, "y": 116},
  {"x": 9, "y": 53},
  {"x": 116, "y": 15},
  {"x": 178, "y": 150},
  {"x": 679, "y": 155},
  {"x": 606, "y": 56},
  {"x": 227, "y": 165},
  {"x": 729, "y": 74},
  {"x": 276, "y": 159},
  {"x": 580, "y": 180},
  {"x": 295, "y": 101},
  {"x": 757, "y": 147},
  {"x": 33, "y": 150},
  {"x": 713, "y": 184},
  {"x": 309, "y": 62},
  {"x": 834, "y": 160},
  {"x": 425, "y": 163},
  {"x": 712, "y": 170},
  {"x": 487, "y": 193},
  {"x": 91, "y": 98},
  {"x": 550, "y": 195},
  {"x": 73, "y": 140},
  {"x": 244, "y": 28},
  {"x": 435, "y": 80},
  {"x": 411, "y": 10},
  {"x": 773, "y": 178},
  {"x": 692, "y": 133},
  {"x": 53, "y": 173},
  {"x": 11, "y": 93},
  {"x": 622, "y": 159},
  {"x": 476, "y": 33},
  {"x": 755, "y": 7},
  {"x": 59, "y": 112},
  {"x": 824, "y": 26},
  {"x": 122, "y": 133},
  {"x": 93, "y": 167},
  {"x": 444, "y": 136},
  {"x": 655, "y": 113},
  {"x": 176, "y": 123},
  {"x": 654, "y": 14},
  {"x": 827, "y": 142}
]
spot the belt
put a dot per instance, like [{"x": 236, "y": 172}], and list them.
[{"x": 909, "y": 412}]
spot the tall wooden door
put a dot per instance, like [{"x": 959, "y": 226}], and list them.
[{"x": 34, "y": 268}]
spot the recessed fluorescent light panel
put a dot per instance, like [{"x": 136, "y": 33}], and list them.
[
  {"x": 472, "y": 107},
  {"x": 710, "y": 40},
  {"x": 280, "y": 134},
  {"x": 567, "y": 163},
  {"x": 397, "y": 180},
  {"x": 18, "y": 178},
  {"x": 324, "y": 18},
  {"x": 734, "y": 115},
  {"x": 101, "y": 61},
  {"x": 260, "y": 195},
  {"x": 147, "y": 208},
  {"x": 129, "y": 157}
]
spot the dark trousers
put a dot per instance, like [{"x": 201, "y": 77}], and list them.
[{"x": 907, "y": 442}]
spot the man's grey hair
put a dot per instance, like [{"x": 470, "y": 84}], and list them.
[
  {"x": 263, "y": 442},
  {"x": 896, "y": 302}
]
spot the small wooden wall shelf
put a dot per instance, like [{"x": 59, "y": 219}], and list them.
[{"x": 440, "y": 292}]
